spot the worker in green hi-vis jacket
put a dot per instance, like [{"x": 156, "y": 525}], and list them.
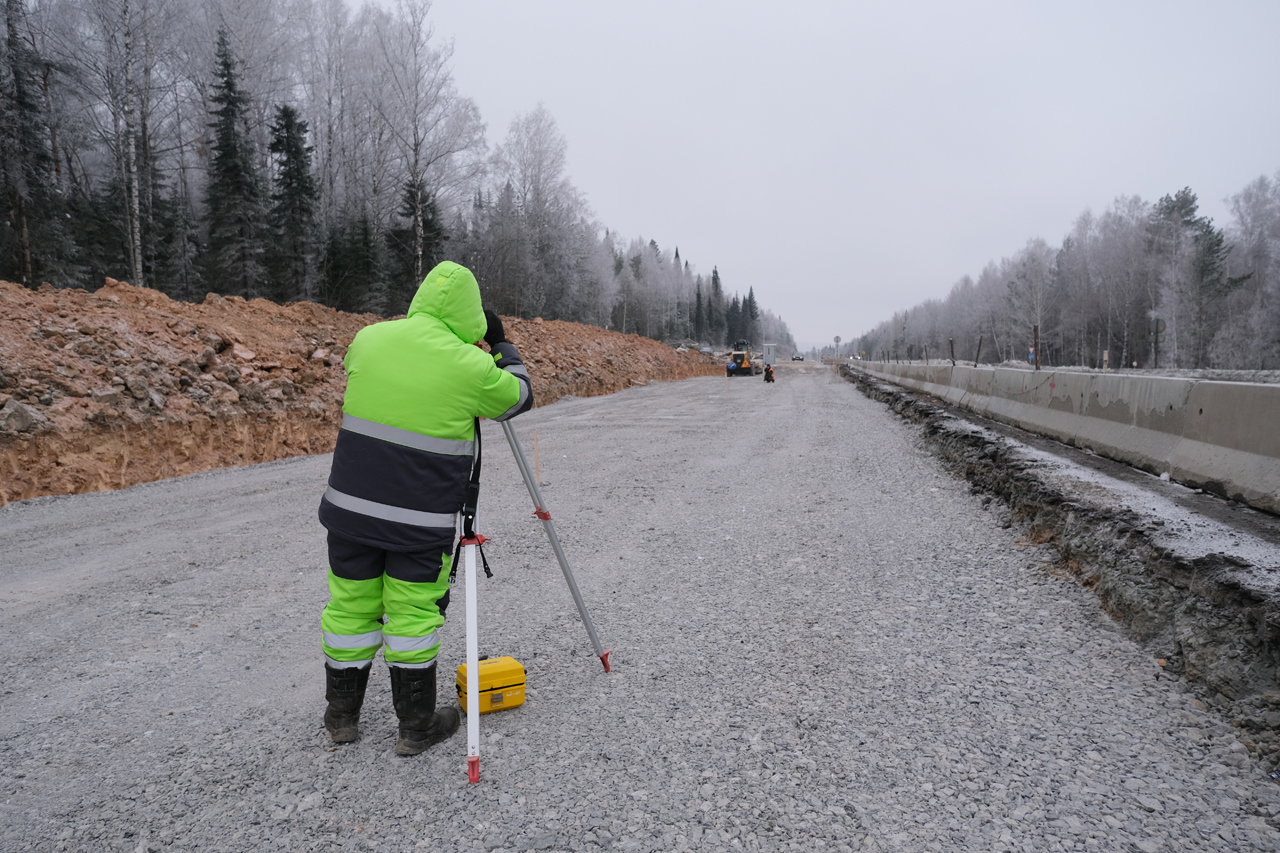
[{"x": 400, "y": 473}]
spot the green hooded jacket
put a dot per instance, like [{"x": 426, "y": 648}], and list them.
[{"x": 414, "y": 389}]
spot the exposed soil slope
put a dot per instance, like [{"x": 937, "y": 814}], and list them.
[{"x": 104, "y": 390}]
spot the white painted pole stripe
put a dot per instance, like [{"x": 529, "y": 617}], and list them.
[{"x": 473, "y": 657}]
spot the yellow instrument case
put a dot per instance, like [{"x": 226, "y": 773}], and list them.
[{"x": 501, "y": 684}]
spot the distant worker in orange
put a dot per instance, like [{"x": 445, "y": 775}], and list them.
[{"x": 768, "y": 373}]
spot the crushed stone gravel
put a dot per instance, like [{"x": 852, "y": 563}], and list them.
[{"x": 821, "y": 641}]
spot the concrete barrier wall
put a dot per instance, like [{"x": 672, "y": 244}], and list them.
[{"x": 1223, "y": 437}]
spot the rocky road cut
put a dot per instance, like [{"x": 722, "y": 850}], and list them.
[{"x": 821, "y": 641}]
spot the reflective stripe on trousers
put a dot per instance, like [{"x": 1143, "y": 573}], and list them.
[
  {"x": 353, "y": 641},
  {"x": 411, "y": 644}
]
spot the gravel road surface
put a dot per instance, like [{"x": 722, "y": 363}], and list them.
[{"x": 821, "y": 641}]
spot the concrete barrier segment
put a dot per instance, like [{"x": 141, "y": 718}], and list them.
[{"x": 1223, "y": 437}]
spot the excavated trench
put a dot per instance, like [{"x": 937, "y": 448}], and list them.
[{"x": 1211, "y": 618}]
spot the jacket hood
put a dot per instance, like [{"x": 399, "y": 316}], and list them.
[{"x": 450, "y": 294}]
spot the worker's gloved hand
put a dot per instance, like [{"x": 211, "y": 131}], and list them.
[{"x": 495, "y": 335}]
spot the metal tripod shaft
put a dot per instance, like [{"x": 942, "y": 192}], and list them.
[{"x": 540, "y": 510}]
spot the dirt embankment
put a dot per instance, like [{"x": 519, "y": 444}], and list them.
[{"x": 105, "y": 390}]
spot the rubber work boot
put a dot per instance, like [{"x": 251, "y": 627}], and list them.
[
  {"x": 344, "y": 688},
  {"x": 413, "y": 692}
]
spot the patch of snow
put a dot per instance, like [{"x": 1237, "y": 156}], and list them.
[{"x": 1178, "y": 528}]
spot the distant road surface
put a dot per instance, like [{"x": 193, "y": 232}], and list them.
[{"x": 821, "y": 641}]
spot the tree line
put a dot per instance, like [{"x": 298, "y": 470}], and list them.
[
  {"x": 1141, "y": 285},
  {"x": 306, "y": 150}
]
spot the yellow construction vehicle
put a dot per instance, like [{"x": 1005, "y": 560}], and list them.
[{"x": 741, "y": 362}]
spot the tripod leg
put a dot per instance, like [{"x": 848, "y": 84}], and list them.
[{"x": 540, "y": 510}]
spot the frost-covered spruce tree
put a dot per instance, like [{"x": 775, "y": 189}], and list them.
[
  {"x": 233, "y": 197},
  {"x": 425, "y": 230},
  {"x": 733, "y": 322},
  {"x": 750, "y": 318},
  {"x": 716, "y": 327},
  {"x": 1207, "y": 287},
  {"x": 178, "y": 264},
  {"x": 699, "y": 314},
  {"x": 36, "y": 245},
  {"x": 291, "y": 257},
  {"x": 1171, "y": 229},
  {"x": 353, "y": 274}
]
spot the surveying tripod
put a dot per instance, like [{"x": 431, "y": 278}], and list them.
[{"x": 469, "y": 546}]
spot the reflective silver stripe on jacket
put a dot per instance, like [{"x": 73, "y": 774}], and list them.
[
  {"x": 352, "y": 641},
  {"x": 389, "y": 513},
  {"x": 524, "y": 390},
  {"x": 407, "y": 438},
  {"x": 411, "y": 644}
]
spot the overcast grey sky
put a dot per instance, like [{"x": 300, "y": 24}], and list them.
[{"x": 847, "y": 160}]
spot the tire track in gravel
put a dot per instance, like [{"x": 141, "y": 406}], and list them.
[{"x": 821, "y": 641}]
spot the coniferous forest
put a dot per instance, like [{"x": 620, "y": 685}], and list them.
[
  {"x": 307, "y": 150},
  {"x": 1140, "y": 285}
]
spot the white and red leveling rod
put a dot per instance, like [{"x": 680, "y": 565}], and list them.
[{"x": 473, "y": 658}]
